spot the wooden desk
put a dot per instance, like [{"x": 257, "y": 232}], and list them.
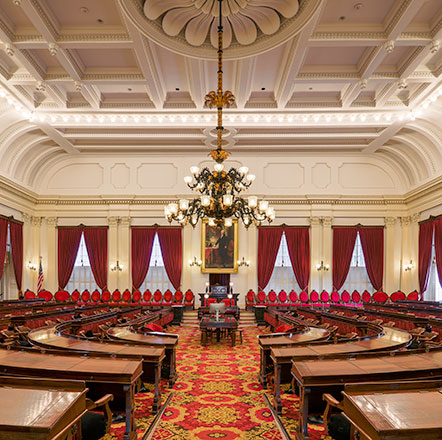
[
  {"x": 118, "y": 377},
  {"x": 329, "y": 376},
  {"x": 167, "y": 340},
  {"x": 219, "y": 297},
  {"x": 391, "y": 339},
  {"x": 231, "y": 310},
  {"x": 152, "y": 357},
  {"x": 40, "y": 410},
  {"x": 228, "y": 323},
  {"x": 302, "y": 335},
  {"x": 410, "y": 410}
]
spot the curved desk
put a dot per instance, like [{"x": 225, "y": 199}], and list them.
[
  {"x": 151, "y": 357},
  {"x": 167, "y": 340},
  {"x": 389, "y": 339}
]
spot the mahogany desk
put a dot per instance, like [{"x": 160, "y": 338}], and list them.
[
  {"x": 118, "y": 377},
  {"x": 226, "y": 322},
  {"x": 151, "y": 357},
  {"x": 301, "y": 335},
  {"x": 40, "y": 409},
  {"x": 167, "y": 340},
  {"x": 391, "y": 339},
  {"x": 316, "y": 377},
  {"x": 396, "y": 411}
]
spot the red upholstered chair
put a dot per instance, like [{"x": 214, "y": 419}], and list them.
[
  {"x": 398, "y": 296},
  {"x": 325, "y": 297},
  {"x": 147, "y": 296},
  {"x": 62, "y": 295},
  {"x": 105, "y": 296},
  {"x": 30, "y": 295},
  {"x": 116, "y": 296},
  {"x": 178, "y": 298},
  {"x": 283, "y": 298},
  {"x": 228, "y": 302},
  {"x": 335, "y": 298},
  {"x": 85, "y": 296},
  {"x": 293, "y": 298},
  {"x": 262, "y": 299},
  {"x": 284, "y": 328},
  {"x": 303, "y": 296},
  {"x": 380, "y": 297},
  {"x": 95, "y": 296},
  {"x": 46, "y": 295},
  {"x": 157, "y": 298},
  {"x": 153, "y": 328},
  {"x": 75, "y": 295},
  {"x": 345, "y": 297},
  {"x": 167, "y": 298},
  {"x": 250, "y": 299},
  {"x": 208, "y": 301},
  {"x": 366, "y": 297},
  {"x": 314, "y": 297},
  {"x": 272, "y": 298},
  {"x": 127, "y": 296},
  {"x": 136, "y": 296},
  {"x": 189, "y": 299},
  {"x": 413, "y": 296},
  {"x": 356, "y": 297}
]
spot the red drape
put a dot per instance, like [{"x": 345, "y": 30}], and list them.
[
  {"x": 438, "y": 246},
  {"x": 372, "y": 241},
  {"x": 269, "y": 240},
  {"x": 141, "y": 251},
  {"x": 68, "y": 242},
  {"x": 16, "y": 234},
  {"x": 172, "y": 251},
  {"x": 343, "y": 244},
  {"x": 3, "y": 237},
  {"x": 425, "y": 245},
  {"x": 298, "y": 244},
  {"x": 96, "y": 244}
]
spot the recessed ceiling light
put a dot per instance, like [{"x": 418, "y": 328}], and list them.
[
  {"x": 99, "y": 20},
  {"x": 263, "y": 88},
  {"x": 129, "y": 89},
  {"x": 177, "y": 89},
  {"x": 310, "y": 88},
  {"x": 84, "y": 10},
  {"x": 358, "y": 6},
  {"x": 342, "y": 17}
]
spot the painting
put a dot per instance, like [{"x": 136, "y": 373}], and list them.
[{"x": 219, "y": 248}]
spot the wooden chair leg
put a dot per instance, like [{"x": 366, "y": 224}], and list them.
[
  {"x": 331, "y": 402},
  {"x": 103, "y": 402}
]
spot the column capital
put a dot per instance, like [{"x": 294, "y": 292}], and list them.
[
  {"x": 405, "y": 221},
  {"x": 26, "y": 217},
  {"x": 390, "y": 221},
  {"x": 416, "y": 217},
  {"x": 113, "y": 221},
  {"x": 315, "y": 221},
  {"x": 125, "y": 221},
  {"x": 327, "y": 221},
  {"x": 52, "y": 221},
  {"x": 36, "y": 221}
]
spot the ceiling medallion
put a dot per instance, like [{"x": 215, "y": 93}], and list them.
[
  {"x": 189, "y": 27},
  {"x": 219, "y": 199}
]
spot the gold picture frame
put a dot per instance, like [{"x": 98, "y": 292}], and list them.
[{"x": 214, "y": 261}]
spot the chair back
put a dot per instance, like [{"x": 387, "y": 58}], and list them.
[
  {"x": 397, "y": 296},
  {"x": 75, "y": 295},
  {"x": 261, "y": 297},
  {"x": 293, "y": 296},
  {"x": 356, "y": 297},
  {"x": 62, "y": 295},
  {"x": 325, "y": 297},
  {"x": 282, "y": 296},
  {"x": 105, "y": 296},
  {"x": 380, "y": 297},
  {"x": 272, "y": 296},
  {"x": 178, "y": 297},
  {"x": 335, "y": 296},
  {"x": 314, "y": 296},
  {"x": 413, "y": 296},
  {"x": 157, "y": 296},
  {"x": 303, "y": 296},
  {"x": 126, "y": 296},
  {"x": 189, "y": 296},
  {"x": 95, "y": 296},
  {"x": 366, "y": 297},
  {"x": 30, "y": 295},
  {"x": 85, "y": 296},
  {"x": 116, "y": 296},
  {"x": 147, "y": 296},
  {"x": 136, "y": 296},
  {"x": 167, "y": 296},
  {"x": 46, "y": 295},
  {"x": 345, "y": 297}
]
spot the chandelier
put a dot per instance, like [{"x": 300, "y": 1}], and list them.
[{"x": 219, "y": 200}]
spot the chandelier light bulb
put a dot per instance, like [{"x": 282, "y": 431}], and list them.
[
  {"x": 218, "y": 167},
  {"x": 166, "y": 211},
  {"x": 211, "y": 222},
  {"x": 194, "y": 170},
  {"x": 173, "y": 208},
  {"x": 243, "y": 170},
  {"x": 253, "y": 201},
  {"x": 270, "y": 211},
  {"x": 227, "y": 199},
  {"x": 188, "y": 179},
  {"x": 251, "y": 177},
  {"x": 205, "y": 200},
  {"x": 228, "y": 222},
  {"x": 246, "y": 221},
  {"x": 184, "y": 204},
  {"x": 263, "y": 205}
]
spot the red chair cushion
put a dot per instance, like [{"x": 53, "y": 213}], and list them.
[
  {"x": 157, "y": 296},
  {"x": 325, "y": 297},
  {"x": 345, "y": 297},
  {"x": 356, "y": 296},
  {"x": 126, "y": 296},
  {"x": 30, "y": 295},
  {"x": 85, "y": 296},
  {"x": 271, "y": 296},
  {"x": 75, "y": 295},
  {"x": 62, "y": 295},
  {"x": 413, "y": 296},
  {"x": 167, "y": 296},
  {"x": 335, "y": 296},
  {"x": 153, "y": 327},
  {"x": 366, "y": 297},
  {"x": 95, "y": 296},
  {"x": 178, "y": 298},
  {"x": 189, "y": 296},
  {"x": 283, "y": 328},
  {"x": 282, "y": 296},
  {"x": 105, "y": 296},
  {"x": 261, "y": 297},
  {"x": 116, "y": 295},
  {"x": 397, "y": 296},
  {"x": 380, "y": 297},
  {"x": 45, "y": 294},
  {"x": 314, "y": 297},
  {"x": 227, "y": 302},
  {"x": 136, "y": 296},
  {"x": 303, "y": 296},
  {"x": 293, "y": 297},
  {"x": 147, "y": 295},
  {"x": 209, "y": 301}
]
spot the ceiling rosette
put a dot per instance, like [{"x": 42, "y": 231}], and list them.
[{"x": 189, "y": 27}]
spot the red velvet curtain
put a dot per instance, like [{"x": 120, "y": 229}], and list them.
[
  {"x": 269, "y": 240},
  {"x": 298, "y": 244},
  {"x": 425, "y": 245},
  {"x": 172, "y": 251},
  {"x": 68, "y": 242},
  {"x": 141, "y": 251},
  {"x": 96, "y": 244},
  {"x": 3, "y": 237},
  {"x": 16, "y": 234},
  {"x": 438, "y": 246},
  {"x": 372, "y": 241},
  {"x": 343, "y": 244}
]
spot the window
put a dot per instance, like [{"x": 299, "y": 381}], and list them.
[
  {"x": 8, "y": 285},
  {"x": 156, "y": 277},
  {"x": 283, "y": 277},
  {"x": 82, "y": 277},
  {"x": 434, "y": 288},
  {"x": 357, "y": 278}
]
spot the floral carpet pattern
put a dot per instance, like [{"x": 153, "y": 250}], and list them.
[{"x": 217, "y": 396}]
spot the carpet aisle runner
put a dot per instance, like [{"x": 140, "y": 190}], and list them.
[{"x": 217, "y": 396}]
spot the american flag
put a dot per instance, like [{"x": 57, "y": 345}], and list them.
[{"x": 40, "y": 278}]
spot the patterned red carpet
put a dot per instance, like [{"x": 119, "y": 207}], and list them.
[{"x": 216, "y": 396}]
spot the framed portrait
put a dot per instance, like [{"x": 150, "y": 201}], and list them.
[{"x": 219, "y": 248}]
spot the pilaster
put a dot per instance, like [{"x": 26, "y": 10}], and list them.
[
  {"x": 406, "y": 276},
  {"x": 51, "y": 276},
  {"x": 28, "y": 274},
  {"x": 392, "y": 256},
  {"x": 123, "y": 254},
  {"x": 327, "y": 252},
  {"x": 315, "y": 253},
  {"x": 35, "y": 250},
  {"x": 112, "y": 249}
]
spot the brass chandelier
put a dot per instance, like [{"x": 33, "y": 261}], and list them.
[{"x": 219, "y": 200}]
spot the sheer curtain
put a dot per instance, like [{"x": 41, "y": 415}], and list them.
[{"x": 434, "y": 287}]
